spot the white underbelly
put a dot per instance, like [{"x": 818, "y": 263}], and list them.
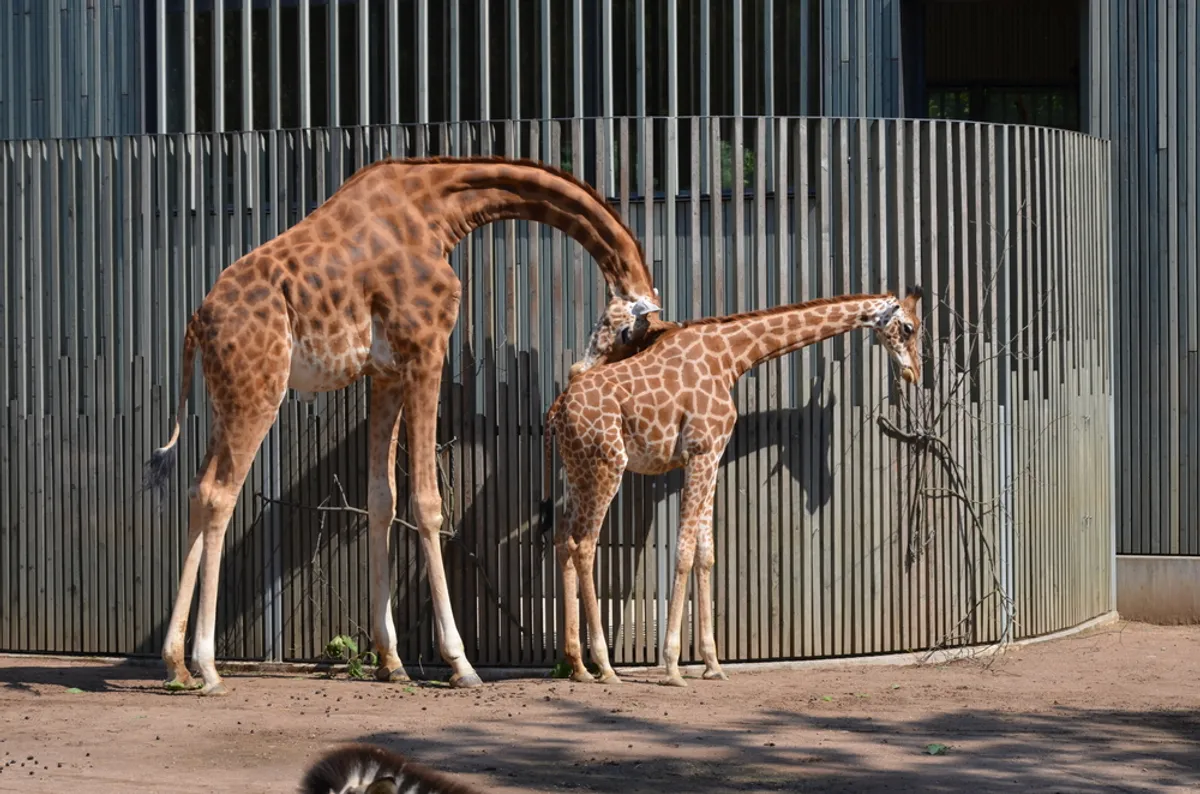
[
  {"x": 313, "y": 372},
  {"x": 309, "y": 375}
]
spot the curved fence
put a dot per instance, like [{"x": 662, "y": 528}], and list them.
[{"x": 854, "y": 515}]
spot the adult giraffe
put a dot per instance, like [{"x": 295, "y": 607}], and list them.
[
  {"x": 363, "y": 286},
  {"x": 669, "y": 407}
]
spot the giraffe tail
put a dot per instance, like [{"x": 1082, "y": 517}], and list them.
[
  {"x": 546, "y": 517},
  {"x": 158, "y": 469}
]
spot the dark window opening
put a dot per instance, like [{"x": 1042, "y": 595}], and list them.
[
  {"x": 998, "y": 61},
  {"x": 333, "y": 60}
]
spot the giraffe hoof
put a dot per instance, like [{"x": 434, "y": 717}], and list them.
[
  {"x": 610, "y": 678},
  {"x": 215, "y": 689},
  {"x": 467, "y": 681},
  {"x": 715, "y": 675},
  {"x": 393, "y": 676},
  {"x": 674, "y": 680},
  {"x": 582, "y": 677}
]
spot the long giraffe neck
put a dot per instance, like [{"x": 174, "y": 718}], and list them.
[
  {"x": 478, "y": 193},
  {"x": 757, "y": 337}
]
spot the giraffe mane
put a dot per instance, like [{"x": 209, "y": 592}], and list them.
[
  {"x": 791, "y": 307},
  {"x": 495, "y": 159}
]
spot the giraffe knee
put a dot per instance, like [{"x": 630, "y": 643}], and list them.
[
  {"x": 209, "y": 497},
  {"x": 427, "y": 508},
  {"x": 381, "y": 501},
  {"x": 562, "y": 537}
]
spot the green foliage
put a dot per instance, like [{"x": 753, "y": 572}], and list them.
[
  {"x": 748, "y": 163},
  {"x": 563, "y": 669},
  {"x": 343, "y": 648}
]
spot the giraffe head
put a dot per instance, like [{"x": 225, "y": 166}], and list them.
[
  {"x": 619, "y": 328},
  {"x": 898, "y": 327}
]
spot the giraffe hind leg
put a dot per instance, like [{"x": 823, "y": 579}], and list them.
[
  {"x": 608, "y": 481},
  {"x": 173, "y": 647},
  {"x": 245, "y": 392},
  {"x": 213, "y": 500},
  {"x": 564, "y": 552},
  {"x": 586, "y": 502}
]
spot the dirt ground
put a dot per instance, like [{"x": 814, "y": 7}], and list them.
[{"x": 1113, "y": 709}]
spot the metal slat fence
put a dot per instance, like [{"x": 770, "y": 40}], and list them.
[{"x": 833, "y": 538}]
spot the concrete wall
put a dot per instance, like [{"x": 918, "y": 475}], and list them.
[{"x": 1158, "y": 589}]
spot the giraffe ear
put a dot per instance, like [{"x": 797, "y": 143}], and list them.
[{"x": 643, "y": 306}]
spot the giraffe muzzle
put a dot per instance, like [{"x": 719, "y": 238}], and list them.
[{"x": 909, "y": 374}]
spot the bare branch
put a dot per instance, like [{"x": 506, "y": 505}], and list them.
[{"x": 324, "y": 508}]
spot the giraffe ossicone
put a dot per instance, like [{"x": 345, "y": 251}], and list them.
[
  {"x": 669, "y": 406},
  {"x": 363, "y": 286}
]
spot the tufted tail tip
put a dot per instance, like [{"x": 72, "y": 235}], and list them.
[
  {"x": 546, "y": 517},
  {"x": 157, "y": 472}
]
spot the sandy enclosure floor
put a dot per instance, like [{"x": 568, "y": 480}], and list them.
[{"x": 1114, "y": 709}]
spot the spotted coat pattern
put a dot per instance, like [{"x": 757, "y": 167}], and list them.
[
  {"x": 670, "y": 406},
  {"x": 363, "y": 287}
]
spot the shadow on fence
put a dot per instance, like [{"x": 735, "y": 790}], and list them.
[{"x": 802, "y": 435}]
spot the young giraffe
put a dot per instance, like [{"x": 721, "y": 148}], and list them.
[
  {"x": 670, "y": 406},
  {"x": 363, "y": 286}
]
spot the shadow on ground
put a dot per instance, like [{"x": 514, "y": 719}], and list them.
[
  {"x": 24, "y": 678},
  {"x": 1065, "y": 750}
]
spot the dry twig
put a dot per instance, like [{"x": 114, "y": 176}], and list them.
[{"x": 923, "y": 425}]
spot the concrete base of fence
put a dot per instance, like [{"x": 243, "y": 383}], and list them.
[
  {"x": 1159, "y": 589},
  {"x": 907, "y": 658},
  {"x": 435, "y": 672}
]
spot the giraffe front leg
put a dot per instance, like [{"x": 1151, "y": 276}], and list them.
[
  {"x": 673, "y": 643},
  {"x": 699, "y": 484},
  {"x": 383, "y": 428},
  {"x": 420, "y": 402}
]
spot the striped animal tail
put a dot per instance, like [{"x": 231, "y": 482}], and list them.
[
  {"x": 368, "y": 769},
  {"x": 158, "y": 469},
  {"x": 546, "y": 514}
]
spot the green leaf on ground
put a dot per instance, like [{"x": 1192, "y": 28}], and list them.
[
  {"x": 75, "y": 690},
  {"x": 935, "y": 749}
]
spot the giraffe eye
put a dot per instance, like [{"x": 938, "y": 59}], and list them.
[{"x": 907, "y": 328}]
